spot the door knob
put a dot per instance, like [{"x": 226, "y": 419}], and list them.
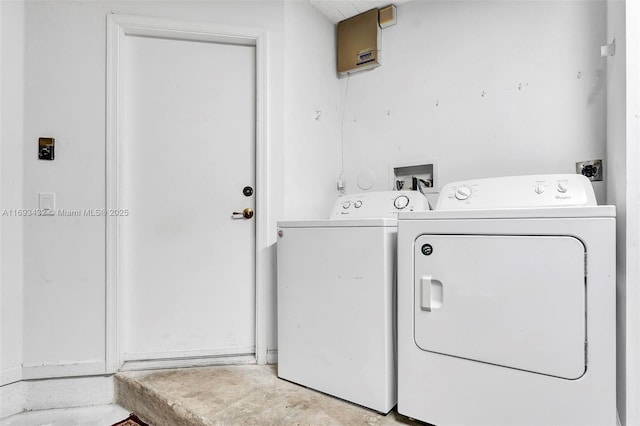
[{"x": 246, "y": 213}]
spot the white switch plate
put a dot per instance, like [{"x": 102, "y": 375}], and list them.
[{"x": 47, "y": 202}]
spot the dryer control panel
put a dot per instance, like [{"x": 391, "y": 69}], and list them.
[
  {"x": 382, "y": 204},
  {"x": 518, "y": 192}
]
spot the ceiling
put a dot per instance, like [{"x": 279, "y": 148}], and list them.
[{"x": 339, "y": 10}]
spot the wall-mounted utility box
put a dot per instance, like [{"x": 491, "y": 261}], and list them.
[
  {"x": 387, "y": 16},
  {"x": 422, "y": 175},
  {"x": 46, "y": 147},
  {"x": 359, "y": 43}
]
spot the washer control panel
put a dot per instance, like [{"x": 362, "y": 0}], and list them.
[
  {"x": 382, "y": 204},
  {"x": 518, "y": 192}
]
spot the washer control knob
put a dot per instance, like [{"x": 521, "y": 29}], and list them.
[
  {"x": 401, "y": 202},
  {"x": 346, "y": 205},
  {"x": 562, "y": 187},
  {"x": 357, "y": 204},
  {"x": 539, "y": 188},
  {"x": 463, "y": 193}
]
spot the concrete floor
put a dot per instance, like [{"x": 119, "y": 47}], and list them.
[{"x": 236, "y": 395}]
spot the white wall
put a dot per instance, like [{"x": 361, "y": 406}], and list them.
[
  {"x": 537, "y": 63},
  {"x": 11, "y": 115},
  {"x": 312, "y": 114},
  {"x": 64, "y": 279},
  {"x": 632, "y": 238},
  {"x": 616, "y": 176},
  {"x": 623, "y": 152}
]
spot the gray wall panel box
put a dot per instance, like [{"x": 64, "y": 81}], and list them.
[{"x": 359, "y": 43}]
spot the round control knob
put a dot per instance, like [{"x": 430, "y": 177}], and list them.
[
  {"x": 562, "y": 187},
  {"x": 401, "y": 202},
  {"x": 357, "y": 204},
  {"x": 539, "y": 188},
  {"x": 463, "y": 193},
  {"x": 346, "y": 205}
]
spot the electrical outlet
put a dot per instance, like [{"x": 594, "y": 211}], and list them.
[{"x": 592, "y": 169}]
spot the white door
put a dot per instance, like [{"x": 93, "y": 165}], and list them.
[
  {"x": 512, "y": 301},
  {"x": 187, "y": 267}
]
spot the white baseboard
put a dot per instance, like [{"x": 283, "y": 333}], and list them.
[
  {"x": 10, "y": 375},
  {"x": 155, "y": 361},
  {"x": 78, "y": 384},
  {"x": 51, "y": 393},
  {"x": 12, "y": 399},
  {"x": 69, "y": 392},
  {"x": 198, "y": 353},
  {"x": 272, "y": 356},
  {"x": 63, "y": 369}
]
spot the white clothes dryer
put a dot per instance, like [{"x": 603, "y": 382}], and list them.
[
  {"x": 336, "y": 298},
  {"x": 506, "y": 305}
]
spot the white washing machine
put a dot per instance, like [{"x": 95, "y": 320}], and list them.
[
  {"x": 336, "y": 298},
  {"x": 506, "y": 305}
]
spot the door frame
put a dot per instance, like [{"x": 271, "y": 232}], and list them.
[{"x": 118, "y": 28}]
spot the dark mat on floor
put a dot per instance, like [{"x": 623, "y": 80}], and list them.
[{"x": 132, "y": 420}]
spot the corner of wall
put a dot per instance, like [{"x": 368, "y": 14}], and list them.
[
  {"x": 11, "y": 181},
  {"x": 312, "y": 125},
  {"x": 631, "y": 186}
]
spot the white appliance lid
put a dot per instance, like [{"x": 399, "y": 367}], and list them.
[
  {"x": 330, "y": 223},
  {"x": 520, "y": 213}
]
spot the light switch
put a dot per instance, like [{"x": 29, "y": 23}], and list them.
[{"x": 47, "y": 202}]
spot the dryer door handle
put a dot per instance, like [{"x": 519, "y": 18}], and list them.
[
  {"x": 430, "y": 293},
  {"x": 425, "y": 293}
]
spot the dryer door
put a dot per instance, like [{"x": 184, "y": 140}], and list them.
[{"x": 512, "y": 301}]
